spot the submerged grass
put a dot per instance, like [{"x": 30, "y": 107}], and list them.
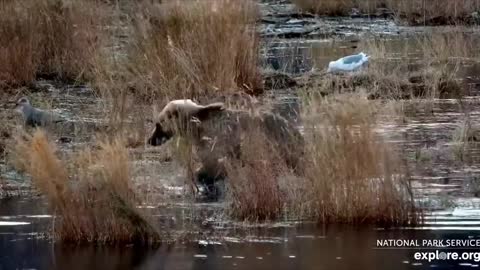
[{"x": 91, "y": 194}]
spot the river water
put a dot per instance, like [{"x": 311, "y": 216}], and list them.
[{"x": 279, "y": 246}]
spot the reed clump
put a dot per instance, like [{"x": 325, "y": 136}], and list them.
[
  {"x": 91, "y": 193},
  {"x": 51, "y": 38},
  {"x": 353, "y": 175},
  {"x": 427, "y": 69},
  {"x": 195, "y": 49},
  {"x": 253, "y": 189}
]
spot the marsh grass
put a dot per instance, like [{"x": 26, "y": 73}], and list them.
[
  {"x": 253, "y": 190},
  {"x": 90, "y": 193},
  {"x": 194, "y": 49},
  {"x": 353, "y": 176},
  {"x": 350, "y": 174},
  {"x": 464, "y": 138},
  {"x": 427, "y": 69},
  {"x": 49, "y": 38}
]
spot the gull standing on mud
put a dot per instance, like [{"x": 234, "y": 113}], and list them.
[
  {"x": 34, "y": 117},
  {"x": 348, "y": 63}
]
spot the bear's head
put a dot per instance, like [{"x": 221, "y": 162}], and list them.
[{"x": 177, "y": 116}]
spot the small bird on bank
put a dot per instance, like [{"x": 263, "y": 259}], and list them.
[
  {"x": 348, "y": 63},
  {"x": 34, "y": 117}
]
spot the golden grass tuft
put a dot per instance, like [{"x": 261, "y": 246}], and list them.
[
  {"x": 349, "y": 173},
  {"x": 353, "y": 176},
  {"x": 195, "y": 49},
  {"x": 253, "y": 190},
  {"x": 91, "y": 193},
  {"x": 53, "y": 38}
]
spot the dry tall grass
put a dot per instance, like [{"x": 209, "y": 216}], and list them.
[
  {"x": 350, "y": 174},
  {"x": 195, "y": 49},
  {"x": 425, "y": 67},
  {"x": 353, "y": 175},
  {"x": 56, "y": 38},
  {"x": 90, "y": 194},
  {"x": 253, "y": 190}
]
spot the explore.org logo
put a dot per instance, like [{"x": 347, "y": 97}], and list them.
[
  {"x": 447, "y": 255},
  {"x": 435, "y": 249}
]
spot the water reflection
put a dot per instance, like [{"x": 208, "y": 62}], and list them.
[{"x": 305, "y": 247}]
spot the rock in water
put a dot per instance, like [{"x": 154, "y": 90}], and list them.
[{"x": 348, "y": 63}]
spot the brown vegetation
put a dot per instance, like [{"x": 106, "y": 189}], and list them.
[
  {"x": 430, "y": 72},
  {"x": 253, "y": 190},
  {"x": 48, "y": 37},
  {"x": 353, "y": 175},
  {"x": 425, "y": 67},
  {"x": 195, "y": 49},
  {"x": 90, "y": 194},
  {"x": 350, "y": 174}
]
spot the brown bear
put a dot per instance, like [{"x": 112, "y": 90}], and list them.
[{"x": 217, "y": 132}]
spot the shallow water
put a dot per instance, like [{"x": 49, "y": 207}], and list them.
[{"x": 280, "y": 246}]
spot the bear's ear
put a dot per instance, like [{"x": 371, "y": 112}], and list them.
[{"x": 209, "y": 111}]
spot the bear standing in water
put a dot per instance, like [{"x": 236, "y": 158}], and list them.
[{"x": 217, "y": 133}]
